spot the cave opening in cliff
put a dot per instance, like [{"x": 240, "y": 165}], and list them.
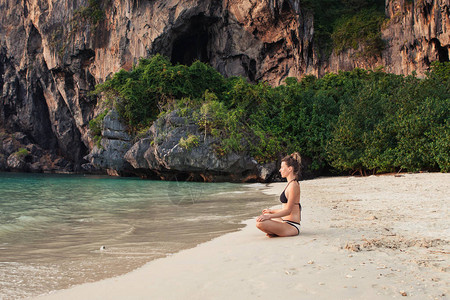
[
  {"x": 441, "y": 52},
  {"x": 192, "y": 42}
]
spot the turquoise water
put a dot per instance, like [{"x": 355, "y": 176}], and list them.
[{"x": 53, "y": 227}]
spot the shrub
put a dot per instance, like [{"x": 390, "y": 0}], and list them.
[
  {"x": 95, "y": 125},
  {"x": 22, "y": 153},
  {"x": 360, "y": 30},
  {"x": 366, "y": 121},
  {"x": 140, "y": 95},
  {"x": 188, "y": 143},
  {"x": 92, "y": 12}
]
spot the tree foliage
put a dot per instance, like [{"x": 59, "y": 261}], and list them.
[{"x": 366, "y": 121}]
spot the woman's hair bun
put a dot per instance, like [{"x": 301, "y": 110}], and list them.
[
  {"x": 297, "y": 157},
  {"x": 294, "y": 160}
]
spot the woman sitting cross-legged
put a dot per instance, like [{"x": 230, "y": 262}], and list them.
[{"x": 285, "y": 221}]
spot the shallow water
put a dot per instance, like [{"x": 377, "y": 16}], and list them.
[{"x": 52, "y": 227}]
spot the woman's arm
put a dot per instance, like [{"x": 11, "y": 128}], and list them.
[{"x": 270, "y": 211}]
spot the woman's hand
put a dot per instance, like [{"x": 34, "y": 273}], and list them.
[
  {"x": 267, "y": 211},
  {"x": 263, "y": 218}
]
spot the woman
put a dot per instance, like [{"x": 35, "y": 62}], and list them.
[{"x": 285, "y": 221}]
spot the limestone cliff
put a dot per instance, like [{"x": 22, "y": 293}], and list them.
[{"x": 52, "y": 53}]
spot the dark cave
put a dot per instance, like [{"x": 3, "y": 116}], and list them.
[
  {"x": 442, "y": 52},
  {"x": 192, "y": 42}
]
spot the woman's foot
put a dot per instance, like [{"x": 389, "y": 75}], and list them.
[{"x": 271, "y": 235}]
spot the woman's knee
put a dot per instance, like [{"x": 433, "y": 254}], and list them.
[{"x": 260, "y": 225}]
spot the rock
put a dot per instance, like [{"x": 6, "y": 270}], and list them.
[
  {"x": 352, "y": 247},
  {"x": 109, "y": 155},
  {"x": 18, "y": 154},
  {"x": 416, "y": 34},
  {"x": 90, "y": 168},
  {"x": 16, "y": 162},
  {"x": 45, "y": 77},
  {"x": 8, "y": 146},
  {"x": 3, "y": 164},
  {"x": 35, "y": 150},
  {"x": 137, "y": 155},
  {"x": 162, "y": 153},
  {"x": 113, "y": 129},
  {"x": 35, "y": 167},
  {"x": 266, "y": 170}
]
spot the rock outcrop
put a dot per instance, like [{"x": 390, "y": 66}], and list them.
[
  {"x": 417, "y": 33},
  {"x": 109, "y": 153},
  {"x": 18, "y": 153},
  {"x": 52, "y": 53},
  {"x": 175, "y": 146}
]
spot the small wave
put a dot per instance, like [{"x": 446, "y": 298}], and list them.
[
  {"x": 126, "y": 253},
  {"x": 31, "y": 219},
  {"x": 86, "y": 220},
  {"x": 207, "y": 218},
  {"x": 256, "y": 185},
  {"x": 227, "y": 193},
  {"x": 23, "y": 222}
]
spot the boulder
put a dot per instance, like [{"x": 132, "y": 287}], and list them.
[
  {"x": 161, "y": 152},
  {"x": 16, "y": 162},
  {"x": 115, "y": 142}
]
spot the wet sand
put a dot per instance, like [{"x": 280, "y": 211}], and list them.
[{"x": 377, "y": 237}]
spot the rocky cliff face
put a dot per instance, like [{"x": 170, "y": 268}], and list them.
[
  {"x": 417, "y": 33},
  {"x": 52, "y": 53}
]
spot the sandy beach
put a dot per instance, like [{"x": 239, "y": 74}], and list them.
[{"x": 376, "y": 237}]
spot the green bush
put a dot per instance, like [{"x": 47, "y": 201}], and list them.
[
  {"x": 360, "y": 30},
  {"x": 188, "y": 143},
  {"x": 140, "y": 95},
  {"x": 22, "y": 153},
  {"x": 358, "y": 121},
  {"x": 92, "y": 12},
  {"x": 95, "y": 125}
]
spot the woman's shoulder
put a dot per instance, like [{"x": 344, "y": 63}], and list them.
[{"x": 294, "y": 185}]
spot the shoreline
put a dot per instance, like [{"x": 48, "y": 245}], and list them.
[{"x": 373, "y": 237}]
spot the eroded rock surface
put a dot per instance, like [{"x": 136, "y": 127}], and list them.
[
  {"x": 109, "y": 153},
  {"x": 163, "y": 153},
  {"x": 51, "y": 57}
]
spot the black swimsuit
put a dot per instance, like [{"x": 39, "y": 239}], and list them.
[{"x": 284, "y": 199}]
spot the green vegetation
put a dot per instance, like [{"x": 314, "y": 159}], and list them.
[
  {"x": 361, "y": 29},
  {"x": 366, "y": 121},
  {"x": 139, "y": 95},
  {"x": 343, "y": 24},
  {"x": 188, "y": 143},
  {"x": 21, "y": 153},
  {"x": 95, "y": 126},
  {"x": 92, "y": 12}
]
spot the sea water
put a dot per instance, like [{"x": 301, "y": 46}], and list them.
[{"x": 60, "y": 230}]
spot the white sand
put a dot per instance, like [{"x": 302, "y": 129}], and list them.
[{"x": 375, "y": 237}]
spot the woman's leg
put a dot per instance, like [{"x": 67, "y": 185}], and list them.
[{"x": 275, "y": 228}]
